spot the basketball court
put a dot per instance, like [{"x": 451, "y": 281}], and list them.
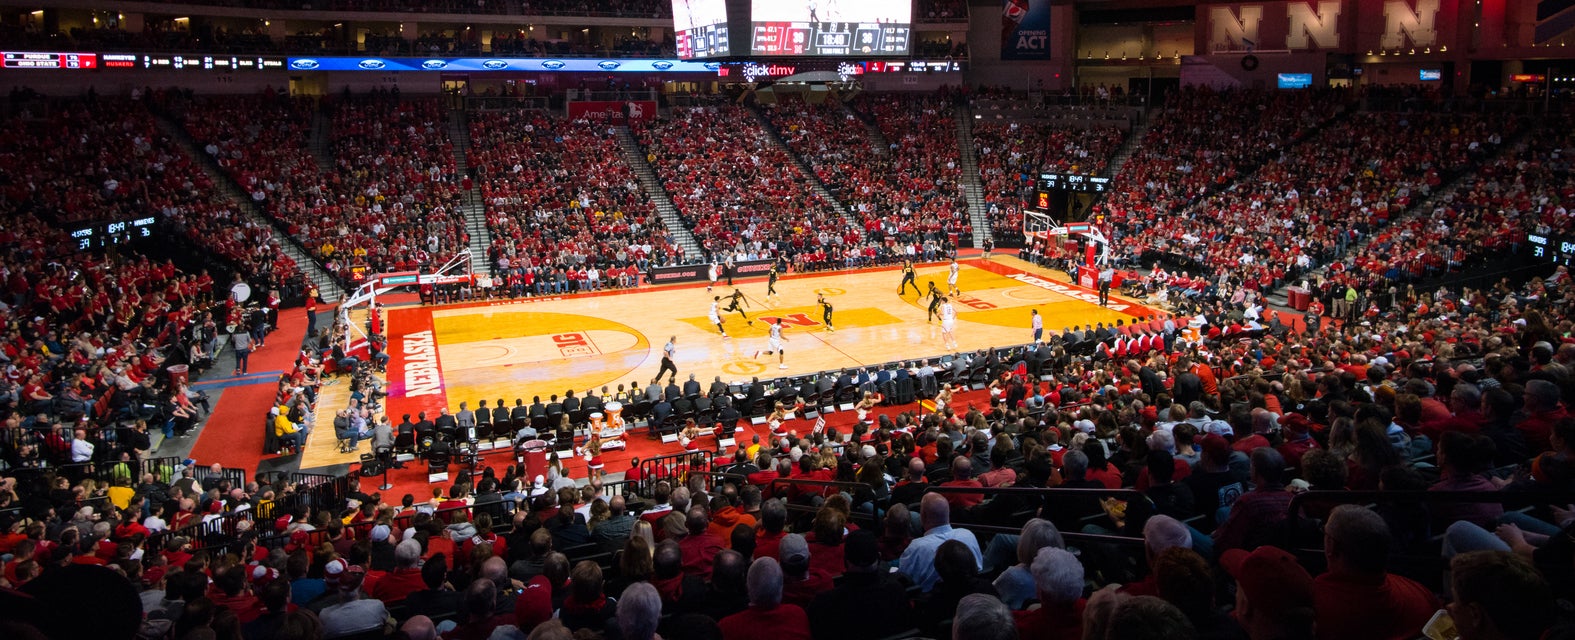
[{"x": 517, "y": 349}]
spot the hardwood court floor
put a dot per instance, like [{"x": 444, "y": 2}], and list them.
[{"x": 519, "y": 349}]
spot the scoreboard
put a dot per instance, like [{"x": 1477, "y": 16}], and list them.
[
  {"x": 97, "y": 235},
  {"x": 1553, "y": 249},
  {"x": 702, "y": 42},
  {"x": 830, "y": 38},
  {"x": 46, "y": 60},
  {"x": 1074, "y": 182}
]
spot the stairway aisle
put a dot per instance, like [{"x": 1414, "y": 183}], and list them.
[
  {"x": 1134, "y": 140},
  {"x": 321, "y": 143},
  {"x": 808, "y": 172},
  {"x": 327, "y": 287},
  {"x": 634, "y": 154},
  {"x": 973, "y": 189},
  {"x": 475, "y": 212}
]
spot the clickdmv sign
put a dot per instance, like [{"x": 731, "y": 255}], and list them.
[{"x": 569, "y": 65}]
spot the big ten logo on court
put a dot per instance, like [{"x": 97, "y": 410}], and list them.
[
  {"x": 974, "y": 303},
  {"x": 743, "y": 368},
  {"x": 792, "y": 320},
  {"x": 830, "y": 291},
  {"x": 572, "y": 345}
]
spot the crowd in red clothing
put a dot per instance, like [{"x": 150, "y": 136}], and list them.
[
  {"x": 1215, "y": 419},
  {"x": 922, "y": 166},
  {"x": 734, "y": 186},
  {"x": 389, "y": 203},
  {"x": 1203, "y": 140},
  {"x": 1217, "y": 433},
  {"x": 558, "y": 193},
  {"x": 1518, "y": 192},
  {"x": 880, "y": 187},
  {"x": 1301, "y": 208}
]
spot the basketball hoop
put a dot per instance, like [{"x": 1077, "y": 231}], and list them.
[{"x": 1038, "y": 225}]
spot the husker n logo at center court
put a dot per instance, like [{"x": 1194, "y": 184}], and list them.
[{"x": 792, "y": 320}]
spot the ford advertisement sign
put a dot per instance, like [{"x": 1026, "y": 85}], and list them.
[{"x": 452, "y": 65}]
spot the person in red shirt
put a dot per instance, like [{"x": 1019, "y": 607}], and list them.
[
  {"x": 962, "y": 476},
  {"x": 700, "y": 546},
  {"x": 1058, "y": 581},
  {"x": 405, "y": 579},
  {"x": 1272, "y": 593},
  {"x": 1357, "y": 598},
  {"x": 767, "y": 617},
  {"x": 1543, "y": 410},
  {"x": 1262, "y": 424}
]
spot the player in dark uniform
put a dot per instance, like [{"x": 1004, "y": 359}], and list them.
[
  {"x": 935, "y": 301},
  {"x": 771, "y": 282},
  {"x": 907, "y": 279},
  {"x": 989, "y": 245},
  {"x": 825, "y": 311},
  {"x": 732, "y": 305}
]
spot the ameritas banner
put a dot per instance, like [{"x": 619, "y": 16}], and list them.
[{"x": 1025, "y": 30}]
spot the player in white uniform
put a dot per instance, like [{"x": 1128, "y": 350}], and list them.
[
  {"x": 714, "y": 272},
  {"x": 948, "y": 324},
  {"x": 716, "y": 315},
  {"x": 774, "y": 342},
  {"x": 951, "y": 279},
  {"x": 1038, "y": 326}
]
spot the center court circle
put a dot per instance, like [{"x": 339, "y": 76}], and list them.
[
  {"x": 743, "y": 368},
  {"x": 1029, "y": 294},
  {"x": 830, "y": 291}
]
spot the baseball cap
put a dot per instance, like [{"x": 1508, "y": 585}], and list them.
[
  {"x": 262, "y": 575},
  {"x": 1219, "y": 428},
  {"x": 534, "y": 604},
  {"x": 333, "y": 570},
  {"x": 861, "y": 548},
  {"x": 1215, "y": 447},
  {"x": 297, "y": 540},
  {"x": 351, "y": 579},
  {"x": 1085, "y": 425},
  {"x": 1271, "y": 578},
  {"x": 380, "y": 533},
  {"x": 794, "y": 548},
  {"x": 1295, "y": 424}
]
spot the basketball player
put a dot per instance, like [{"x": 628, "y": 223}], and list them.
[
  {"x": 948, "y": 325},
  {"x": 714, "y": 271},
  {"x": 907, "y": 279},
  {"x": 771, "y": 282},
  {"x": 732, "y": 305},
  {"x": 715, "y": 317},
  {"x": 774, "y": 343},
  {"x": 989, "y": 245},
  {"x": 935, "y": 301},
  {"x": 825, "y": 311},
  {"x": 1038, "y": 325},
  {"x": 951, "y": 279},
  {"x": 667, "y": 362}
]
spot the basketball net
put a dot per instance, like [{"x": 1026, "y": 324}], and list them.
[{"x": 1039, "y": 226}]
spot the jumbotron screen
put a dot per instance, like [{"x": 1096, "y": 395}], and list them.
[
  {"x": 700, "y": 26},
  {"x": 831, "y": 27}
]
